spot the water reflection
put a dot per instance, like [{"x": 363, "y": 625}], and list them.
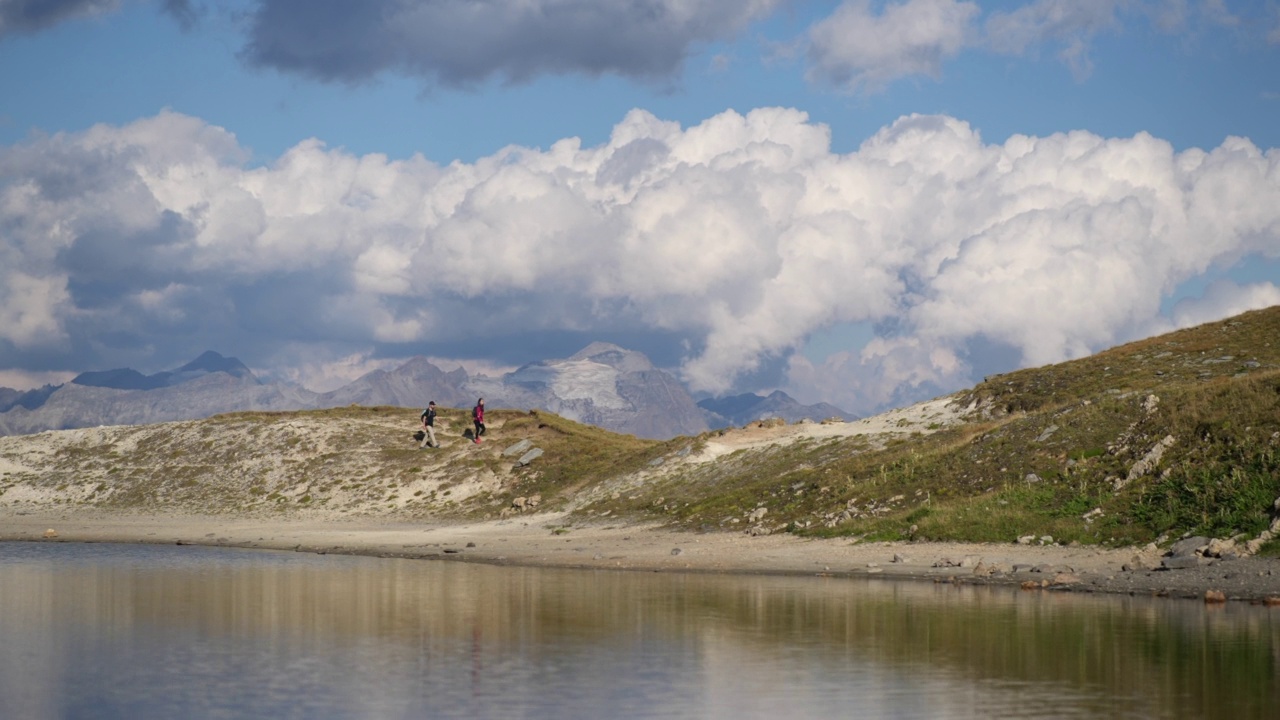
[{"x": 107, "y": 631}]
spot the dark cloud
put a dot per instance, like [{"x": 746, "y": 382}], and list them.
[
  {"x": 27, "y": 16},
  {"x": 184, "y": 12},
  {"x": 465, "y": 42},
  {"x": 104, "y": 266}
]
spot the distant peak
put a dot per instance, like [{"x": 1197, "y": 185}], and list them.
[
  {"x": 210, "y": 362},
  {"x": 597, "y": 348},
  {"x": 616, "y": 357}
]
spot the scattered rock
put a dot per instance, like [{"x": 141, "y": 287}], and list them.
[
  {"x": 1181, "y": 562},
  {"x": 676, "y": 551},
  {"x": 1030, "y": 585},
  {"x": 1063, "y": 578},
  {"x": 529, "y": 457},
  {"x": 517, "y": 448},
  {"x": 1220, "y": 548},
  {"x": 967, "y": 562},
  {"x": 899, "y": 558},
  {"x": 1214, "y": 596},
  {"x": 1189, "y": 547},
  {"x": 758, "y": 514},
  {"x": 1048, "y": 432},
  {"x": 526, "y": 503},
  {"x": 1150, "y": 460},
  {"x": 1026, "y": 539},
  {"x": 1145, "y": 560}
]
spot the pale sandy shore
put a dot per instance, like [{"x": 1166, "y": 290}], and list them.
[{"x": 551, "y": 540}]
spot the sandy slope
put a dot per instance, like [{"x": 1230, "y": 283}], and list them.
[{"x": 924, "y": 417}]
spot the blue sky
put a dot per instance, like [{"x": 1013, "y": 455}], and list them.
[{"x": 861, "y": 202}]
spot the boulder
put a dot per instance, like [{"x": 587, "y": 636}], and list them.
[
  {"x": 1145, "y": 560},
  {"x": 1191, "y": 546},
  {"x": 1181, "y": 562},
  {"x": 529, "y": 457},
  {"x": 517, "y": 448},
  {"x": 1220, "y": 548}
]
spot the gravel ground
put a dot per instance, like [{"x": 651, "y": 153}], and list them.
[{"x": 547, "y": 540}]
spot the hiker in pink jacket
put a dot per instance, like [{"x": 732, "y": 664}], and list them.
[{"x": 477, "y": 416}]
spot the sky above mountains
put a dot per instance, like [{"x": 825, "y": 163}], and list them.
[{"x": 863, "y": 203}]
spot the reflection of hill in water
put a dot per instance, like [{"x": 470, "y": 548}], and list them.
[{"x": 1153, "y": 657}]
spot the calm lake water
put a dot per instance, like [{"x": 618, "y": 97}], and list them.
[{"x": 117, "y": 631}]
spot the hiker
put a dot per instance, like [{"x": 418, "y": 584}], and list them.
[
  {"x": 477, "y": 415},
  {"x": 429, "y": 427}
]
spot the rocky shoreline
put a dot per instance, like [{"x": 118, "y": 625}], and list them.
[{"x": 1189, "y": 571}]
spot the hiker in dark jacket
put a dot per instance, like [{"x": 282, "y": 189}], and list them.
[
  {"x": 429, "y": 426},
  {"x": 477, "y": 416}
]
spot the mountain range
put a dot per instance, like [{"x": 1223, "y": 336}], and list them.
[{"x": 603, "y": 385}]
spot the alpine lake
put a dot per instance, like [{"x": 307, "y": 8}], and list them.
[{"x": 164, "y": 631}]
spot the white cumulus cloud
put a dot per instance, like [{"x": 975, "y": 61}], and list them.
[
  {"x": 740, "y": 237},
  {"x": 857, "y": 49},
  {"x": 1224, "y": 298}
]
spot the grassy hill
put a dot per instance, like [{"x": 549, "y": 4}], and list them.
[
  {"x": 1150, "y": 440},
  {"x": 1175, "y": 434}
]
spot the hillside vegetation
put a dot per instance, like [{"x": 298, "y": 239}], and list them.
[{"x": 1145, "y": 442}]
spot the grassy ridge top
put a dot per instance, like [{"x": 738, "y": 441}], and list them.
[
  {"x": 1170, "y": 435},
  {"x": 1174, "y": 434}
]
